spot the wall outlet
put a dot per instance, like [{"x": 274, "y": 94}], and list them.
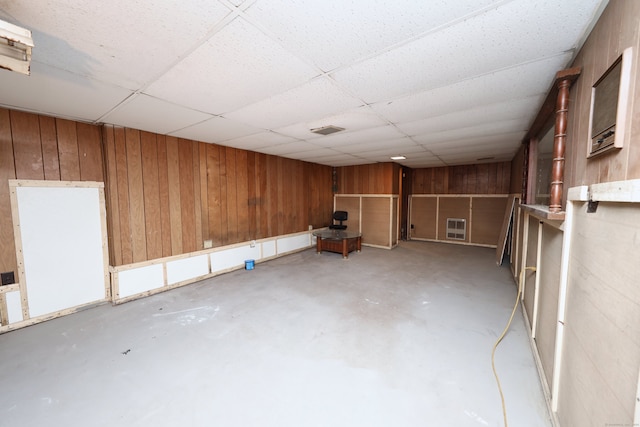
[
  {"x": 208, "y": 244},
  {"x": 8, "y": 278},
  {"x": 253, "y": 244}
]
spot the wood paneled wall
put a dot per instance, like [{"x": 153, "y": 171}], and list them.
[
  {"x": 167, "y": 195},
  {"x": 489, "y": 178},
  {"x": 42, "y": 148},
  {"x": 376, "y": 178}
]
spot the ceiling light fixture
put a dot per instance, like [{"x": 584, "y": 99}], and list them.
[
  {"x": 15, "y": 48},
  {"x": 327, "y": 130},
  {"x": 398, "y": 158}
]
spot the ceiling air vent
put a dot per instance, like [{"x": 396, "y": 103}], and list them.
[{"x": 327, "y": 130}]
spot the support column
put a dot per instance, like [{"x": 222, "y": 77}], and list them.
[{"x": 559, "y": 144}]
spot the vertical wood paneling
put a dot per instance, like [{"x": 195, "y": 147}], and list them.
[
  {"x": 175, "y": 207},
  {"x": 232, "y": 195},
  {"x": 252, "y": 198},
  {"x": 197, "y": 199},
  {"x": 187, "y": 196},
  {"x": 7, "y": 171},
  {"x": 123, "y": 195},
  {"x": 242, "y": 195},
  {"x": 263, "y": 185},
  {"x": 163, "y": 194},
  {"x": 49, "y": 148},
  {"x": 204, "y": 195},
  {"x": 68, "y": 150},
  {"x": 213, "y": 185},
  {"x": 113, "y": 207},
  {"x": 136, "y": 195},
  {"x": 151, "y": 188},
  {"x": 27, "y": 149},
  {"x": 90, "y": 152},
  {"x": 491, "y": 178}
]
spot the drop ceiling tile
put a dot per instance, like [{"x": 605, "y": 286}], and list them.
[
  {"x": 238, "y": 66},
  {"x": 512, "y": 33},
  {"x": 153, "y": 115},
  {"x": 491, "y": 128},
  {"x": 290, "y": 148},
  {"x": 216, "y": 130},
  {"x": 352, "y": 120},
  {"x": 523, "y": 109},
  {"x": 319, "y": 153},
  {"x": 85, "y": 37},
  {"x": 333, "y": 33},
  {"x": 523, "y": 81},
  {"x": 59, "y": 93},
  {"x": 258, "y": 141},
  {"x": 397, "y": 143},
  {"x": 462, "y": 144},
  {"x": 381, "y": 133},
  {"x": 317, "y": 98}
]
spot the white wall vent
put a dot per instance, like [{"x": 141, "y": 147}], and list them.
[{"x": 456, "y": 228}]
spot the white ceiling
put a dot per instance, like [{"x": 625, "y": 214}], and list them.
[{"x": 441, "y": 82}]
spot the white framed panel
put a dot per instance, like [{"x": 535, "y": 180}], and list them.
[
  {"x": 138, "y": 280},
  {"x": 234, "y": 257},
  {"x": 14, "y": 307},
  {"x": 60, "y": 233},
  {"x": 269, "y": 249},
  {"x": 293, "y": 243},
  {"x": 187, "y": 268}
]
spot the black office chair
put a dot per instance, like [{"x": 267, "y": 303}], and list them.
[{"x": 339, "y": 216}]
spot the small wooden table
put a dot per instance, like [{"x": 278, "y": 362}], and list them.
[{"x": 339, "y": 241}]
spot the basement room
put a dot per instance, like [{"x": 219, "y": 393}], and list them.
[{"x": 343, "y": 213}]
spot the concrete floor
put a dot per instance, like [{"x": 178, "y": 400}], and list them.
[{"x": 385, "y": 338}]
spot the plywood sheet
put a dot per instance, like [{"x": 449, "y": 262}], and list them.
[
  {"x": 487, "y": 219},
  {"x": 375, "y": 225},
  {"x": 549, "y": 271},
  {"x": 62, "y": 247},
  {"x": 351, "y": 205},
  {"x": 453, "y": 207},
  {"x": 424, "y": 214}
]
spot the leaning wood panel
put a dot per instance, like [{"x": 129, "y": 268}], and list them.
[
  {"x": 150, "y": 180},
  {"x": 487, "y": 214},
  {"x": 49, "y": 148},
  {"x": 8, "y": 260},
  {"x": 68, "y": 150},
  {"x": 352, "y": 206},
  {"x": 453, "y": 207},
  {"x": 90, "y": 153},
  {"x": 111, "y": 187},
  {"x": 136, "y": 195},
  {"x": 424, "y": 214},
  {"x": 375, "y": 221},
  {"x": 27, "y": 149}
]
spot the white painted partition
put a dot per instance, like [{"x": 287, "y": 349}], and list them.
[
  {"x": 134, "y": 281},
  {"x": 61, "y": 249}
]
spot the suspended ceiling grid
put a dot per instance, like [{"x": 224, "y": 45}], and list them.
[{"x": 440, "y": 82}]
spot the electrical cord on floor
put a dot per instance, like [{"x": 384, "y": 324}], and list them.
[{"x": 495, "y": 346}]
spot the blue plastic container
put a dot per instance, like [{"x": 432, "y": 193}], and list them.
[{"x": 249, "y": 264}]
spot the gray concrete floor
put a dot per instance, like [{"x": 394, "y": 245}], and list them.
[{"x": 385, "y": 338}]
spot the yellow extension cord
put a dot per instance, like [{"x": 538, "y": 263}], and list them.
[{"x": 495, "y": 346}]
